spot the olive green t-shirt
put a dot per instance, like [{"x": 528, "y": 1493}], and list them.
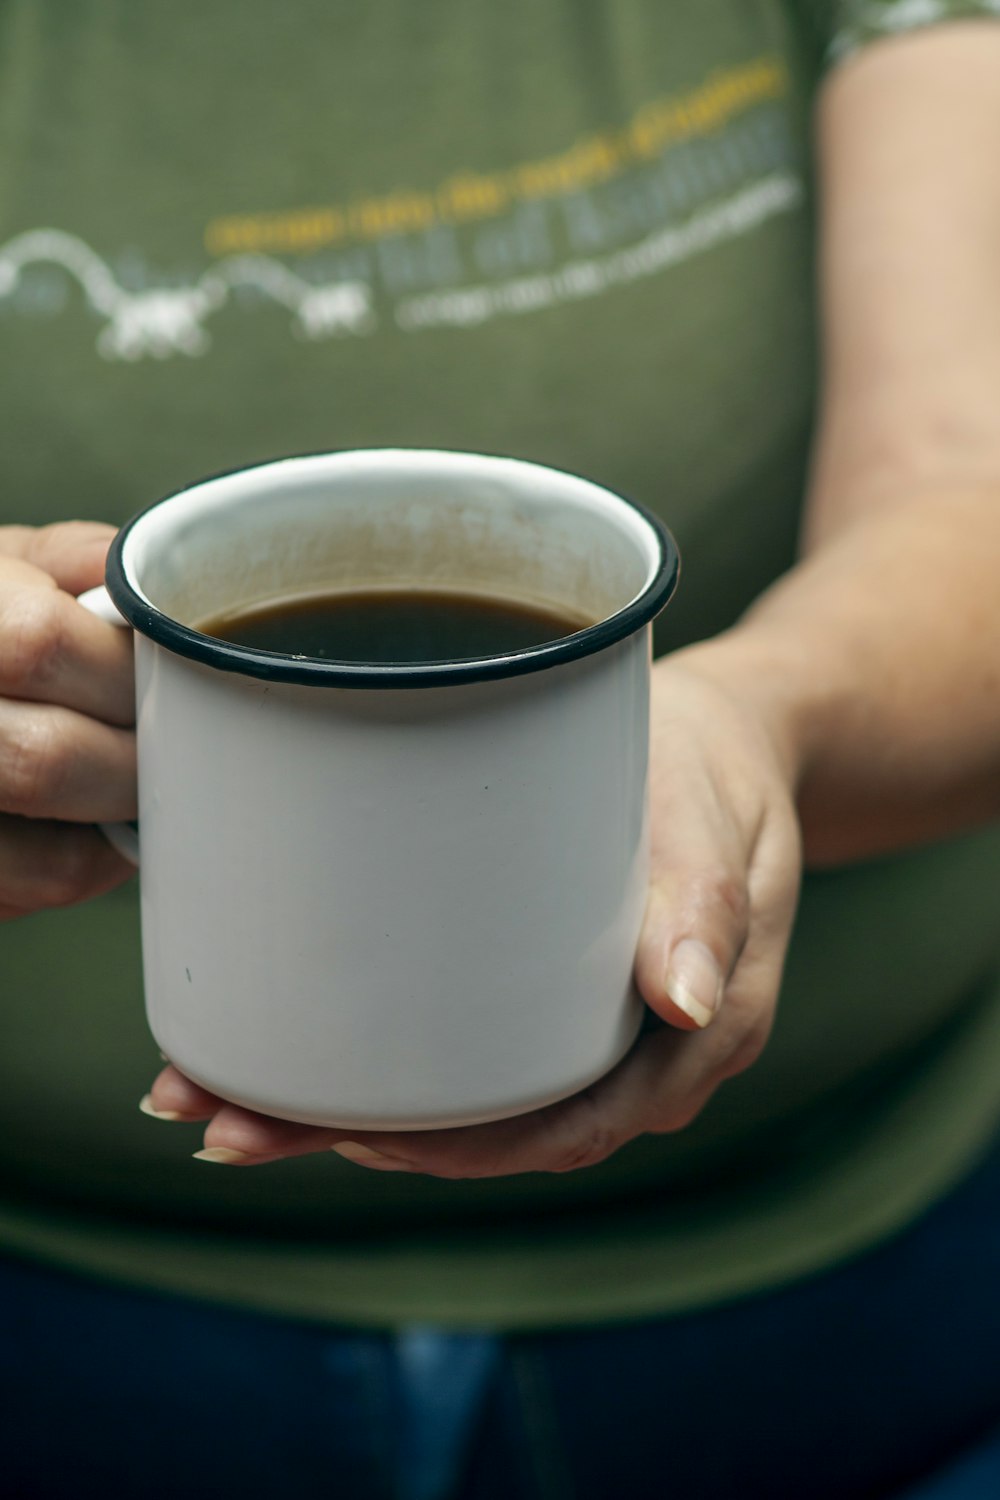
[{"x": 579, "y": 231}]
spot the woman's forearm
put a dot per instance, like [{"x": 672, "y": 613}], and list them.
[{"x": 875, "y": 666}]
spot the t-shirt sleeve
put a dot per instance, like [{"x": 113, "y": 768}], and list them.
[{"x": 848, "y": 25}]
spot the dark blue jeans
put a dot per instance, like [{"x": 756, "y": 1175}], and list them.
[{"x": 878, "y": 1379}]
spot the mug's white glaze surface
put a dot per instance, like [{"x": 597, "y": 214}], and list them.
[{"x": 393, "y": 907}]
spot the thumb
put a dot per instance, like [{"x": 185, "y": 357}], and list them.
[{"x": 695, "y": 929}]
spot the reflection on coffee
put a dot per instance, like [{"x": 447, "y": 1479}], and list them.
[{"x": 400, "y": 625}]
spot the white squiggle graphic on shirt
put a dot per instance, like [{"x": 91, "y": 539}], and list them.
[
  {"x": 170, "y": 320},
  {"x": 157, "y": 323},
  {"x": 587, "y": 278},
  {"x": 320, "y": 311}
]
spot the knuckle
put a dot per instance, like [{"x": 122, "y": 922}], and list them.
[
  {"x": 14, "y": 539},
  {"x": 41, "y": 541},
  {"x": 591, "y": 1140},
  {"x": 724, "y": 890},
  {"x": 680, "y": 1118},
  {"x": 678, "y": 1114},
  {"x": 35, "y": 767},
  {"x": 33, "y": 639},
  {"x": 746, "y": 1052}
]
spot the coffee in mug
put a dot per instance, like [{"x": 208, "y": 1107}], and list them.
[{"x": 394, "y": 625}]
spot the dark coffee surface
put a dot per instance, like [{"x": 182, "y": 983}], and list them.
[{"x": 392, "y": 625}]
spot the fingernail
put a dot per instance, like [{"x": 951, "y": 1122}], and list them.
[
  {"x": 694, "y": 982},
  {"x": 223, "y": 1155},
  {"x": 364, "y": 1156},
  {"x": 149, "y": 1108}
]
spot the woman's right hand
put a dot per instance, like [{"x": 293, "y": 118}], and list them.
[{"x": 67, "y": 707}]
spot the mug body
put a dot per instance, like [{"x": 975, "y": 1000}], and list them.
[{"x": 386, "y": 897}]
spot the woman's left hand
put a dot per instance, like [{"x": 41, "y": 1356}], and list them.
[{"x": 724, "y": 879}]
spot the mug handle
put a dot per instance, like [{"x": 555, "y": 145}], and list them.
[{"x": 124, "y": 837}]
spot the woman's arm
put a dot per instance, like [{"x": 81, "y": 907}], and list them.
[{"x": 877, "y": 659}]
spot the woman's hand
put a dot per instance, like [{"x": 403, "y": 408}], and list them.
[
  {"x": 67, "y": 753},
  {"x": 725, "y": 872}
]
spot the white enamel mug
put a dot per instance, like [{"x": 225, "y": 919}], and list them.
[{"x": 385, "y": 896}]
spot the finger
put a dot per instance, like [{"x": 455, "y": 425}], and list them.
[
  {"x": 45, "y": 864},
  {"x": 722, "y": 924},
  {"x": 239, "y": 1137},
  {"x": 55, "y": 763},
  {"x": 73, "y": 553},
  {"x": 175, "y": 1097},
  {"x": 573, "y": 1133},
  {"x": 696, "y": 924},
  {"x": 52, "y": 650},
  {"x": 724, "y": 857},
  {"x": 243, "y": 1137},
  {"x": 711, "y": 934}
]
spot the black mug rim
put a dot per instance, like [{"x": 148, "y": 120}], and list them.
[{"x": 273, "y": 666}]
